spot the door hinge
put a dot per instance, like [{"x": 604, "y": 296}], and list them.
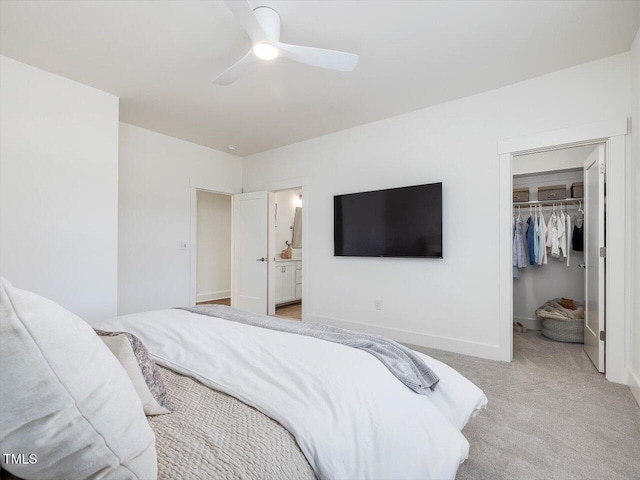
[
  {"x": 603, "y": 168},
  {"x": 603, "y": 252},
  {"x": 603, "y": 336}
]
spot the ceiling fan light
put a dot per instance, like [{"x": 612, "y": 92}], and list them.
[{"x": 265, "y": 51}]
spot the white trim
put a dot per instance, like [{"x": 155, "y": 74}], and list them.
[
  {"x": 634, "y": 385},
  {"x": 208, "y": 186},
  {"x": 505, "y": 275},
  {"x": 193, "y": 245},
  {"x": 617, "y": 307},
  {"x": 207, "y": 297},
  {"x": 463, "y": 347},
  {"x": 572, "y": 136}
]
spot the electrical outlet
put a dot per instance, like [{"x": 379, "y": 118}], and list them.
[{"x": 378, "y": 304}]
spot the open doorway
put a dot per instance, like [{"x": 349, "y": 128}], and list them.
[
  {"x": 286, "y": 234},
  {"x": 263, "y": 278},
  {"x": 213, "y": 248},
  {"x": 558, "y": 270},
  {"x": 610, "y": 135}
]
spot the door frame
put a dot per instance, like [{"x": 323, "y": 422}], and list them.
[
  {"x": 194, "y": 186},
  {"x": 618, "y": 238},
  {"x": 278, "y": 186}
]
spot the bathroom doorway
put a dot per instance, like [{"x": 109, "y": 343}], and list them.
[{"x": 285, "y": 230}]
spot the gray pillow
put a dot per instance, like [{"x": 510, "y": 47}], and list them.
[{"x": 142, "y": 370}]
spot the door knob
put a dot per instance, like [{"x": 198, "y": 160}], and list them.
[{"x": 261, "y": 259}]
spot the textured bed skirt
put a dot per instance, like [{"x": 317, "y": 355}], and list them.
[
  {"x": 570, "y": 331},
  {"x": 211, "y": 435}
]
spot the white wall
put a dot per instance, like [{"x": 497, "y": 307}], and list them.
[
  {"x": 538, "y": 284},
  {"x": 156, "y": 175},
  {"x": 59, "y": 189},
  {"x": 214, "y": 246},
  {"x": 634, "y": 337},
  {"x": 450, "y": 303},
  {"x": 286, "y": 201}
]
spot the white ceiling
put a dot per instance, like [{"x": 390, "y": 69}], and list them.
[{"x": 160, "y": 58}]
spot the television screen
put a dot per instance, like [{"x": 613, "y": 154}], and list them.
[{"x": 399, "y": 222}]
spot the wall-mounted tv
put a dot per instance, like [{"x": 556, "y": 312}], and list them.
[{"x": 398, "y": 222}]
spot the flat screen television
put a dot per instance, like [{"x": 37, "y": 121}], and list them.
[{"x": 398, "y": 222}]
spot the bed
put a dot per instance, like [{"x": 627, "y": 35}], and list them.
[
  {"x": 226, "y": 439},
  {"x": 251, "y": 402}
]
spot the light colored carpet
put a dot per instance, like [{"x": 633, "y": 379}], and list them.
[{"x": 551, "y": 415}]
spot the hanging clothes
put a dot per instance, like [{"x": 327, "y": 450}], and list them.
[
  {"x": 567, "y": 233},
  {"x": 531, "y": 240},
  {"x": 553, "y": 237},
  {"x": 578, "y": 237},
  {"x": 542, "y": 259},
  {"x": 516, "y": 270},
  {"x": 536, "y": 238},
  {"x": 519, "y": 257},
  {"x": 562, "y": 237}
]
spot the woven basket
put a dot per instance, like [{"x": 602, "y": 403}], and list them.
[{"x": 570, "y": 331}]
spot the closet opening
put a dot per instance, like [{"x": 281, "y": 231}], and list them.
[
  {"x": 558, "y": 256},
  {"x": 213, "y": 248},
  {"x": 286, "y": 238}
]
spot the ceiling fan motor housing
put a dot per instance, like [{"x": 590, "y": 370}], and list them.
[{"x": 269, "y": 20}]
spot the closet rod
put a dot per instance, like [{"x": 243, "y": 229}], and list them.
[{"x": 548, "y": 203}]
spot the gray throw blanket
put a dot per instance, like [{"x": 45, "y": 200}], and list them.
[{"x": 402, "y": 362}]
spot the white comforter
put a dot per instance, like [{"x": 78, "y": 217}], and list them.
[{"x": 350, "y": 416}]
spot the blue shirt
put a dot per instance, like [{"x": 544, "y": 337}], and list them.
[{"x": 531, "y": 242}]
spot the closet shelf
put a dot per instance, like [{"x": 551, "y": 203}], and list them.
[{"x": 549, "y": 203}]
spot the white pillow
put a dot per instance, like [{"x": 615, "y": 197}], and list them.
[{"x": 65, "y": 397}]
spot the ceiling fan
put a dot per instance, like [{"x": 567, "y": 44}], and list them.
[{"x": 263, "y": 27}]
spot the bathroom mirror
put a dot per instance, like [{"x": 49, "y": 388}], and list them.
[{"x": 297, "y": 229}]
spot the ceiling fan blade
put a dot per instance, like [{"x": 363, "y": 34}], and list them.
[
  {"x": 244, "y": 13},
  {"x": 236, "y": 70},
  {"x": 319, "y": 57}
]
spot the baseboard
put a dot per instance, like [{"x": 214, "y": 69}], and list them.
[
  {"x": 207, "y": 297},
  {"x": 463, "y": 347},
  {"x": 634, "y": 385},
  {"x": 530, "y": 323}
]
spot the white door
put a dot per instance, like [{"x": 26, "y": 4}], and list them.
[
  {"x": 249, "y": 268},
  {"x": 594, "y": 243}
]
